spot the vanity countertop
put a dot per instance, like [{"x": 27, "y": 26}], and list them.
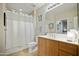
[{"x": 58, "y": 39}]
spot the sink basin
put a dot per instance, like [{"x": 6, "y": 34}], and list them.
[{"x": 61, "y": 36}]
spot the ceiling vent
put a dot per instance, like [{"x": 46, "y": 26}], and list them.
[{"x": 52, "y": 6}]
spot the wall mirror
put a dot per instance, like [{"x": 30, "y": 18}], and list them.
[{"x": 62, "y": 19}]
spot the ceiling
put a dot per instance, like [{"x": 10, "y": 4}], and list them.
[
  {"x": 24, "y": 7},
  {"x": 63, "y": 8}
]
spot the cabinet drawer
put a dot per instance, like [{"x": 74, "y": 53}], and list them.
[{"x": 70, "y": 48}]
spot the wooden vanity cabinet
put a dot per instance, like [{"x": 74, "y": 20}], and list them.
[
  {"x": 78, "y": 50},
  {"x": 67, "y": 49},
  {"x": 42, "y": 47},
  {"x": 47, "y": 47},
  {"x": 52, "y": 48}
]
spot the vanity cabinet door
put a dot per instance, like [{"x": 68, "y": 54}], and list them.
[
  {"x": 42, "y": 47},
  {"x": 52, "y": 48}
]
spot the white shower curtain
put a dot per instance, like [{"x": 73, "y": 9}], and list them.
[
  {"x": 9, "y": 36},
  {"x": 19, "y": 31}
]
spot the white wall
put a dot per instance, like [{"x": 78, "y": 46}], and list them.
[
  {"x": 41, "y": 11},
  {"x": 0, "y": 6},
  {"x": 2, "y": 33}
]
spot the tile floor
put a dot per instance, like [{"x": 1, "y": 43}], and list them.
[{"x": 24, "y": 53}]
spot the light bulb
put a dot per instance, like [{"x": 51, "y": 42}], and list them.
[{"x": 20, "y": 9}]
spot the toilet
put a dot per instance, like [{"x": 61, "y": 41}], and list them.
[{"x": 32, "y": 46}]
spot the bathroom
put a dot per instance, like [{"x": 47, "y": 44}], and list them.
[{"x": 22, "y": 24}]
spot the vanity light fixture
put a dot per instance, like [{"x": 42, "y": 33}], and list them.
[{"x": 20, "y": 10}]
